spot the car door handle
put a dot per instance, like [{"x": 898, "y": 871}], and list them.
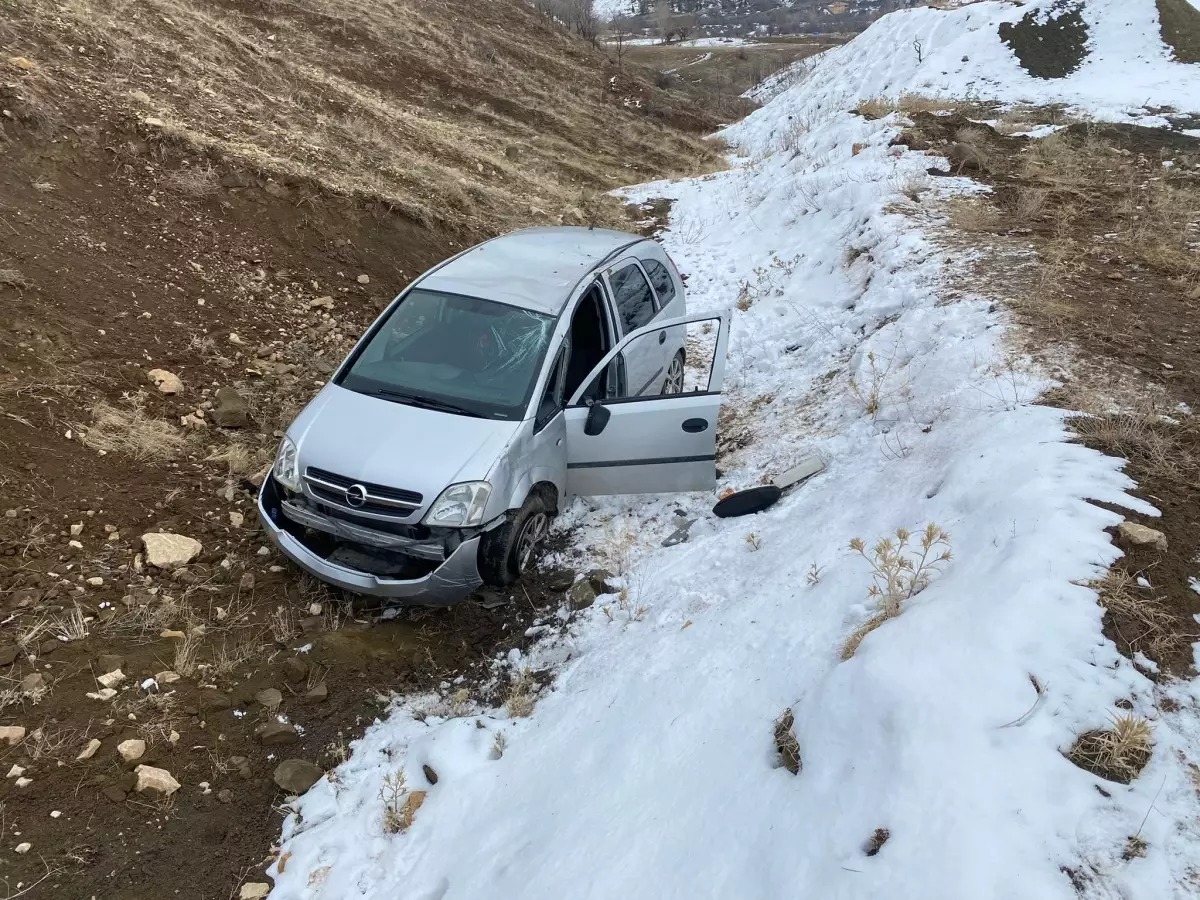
[
  {"x": 695, "y": 426},
  {"x": 662, "y": 337}
]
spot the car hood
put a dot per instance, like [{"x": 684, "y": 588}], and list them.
[{"x": 406, "y": 447}]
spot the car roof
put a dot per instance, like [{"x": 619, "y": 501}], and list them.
[{"x": 535, "y": 268}]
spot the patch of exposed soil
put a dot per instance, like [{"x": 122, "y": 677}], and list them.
[
  {"x": 1052, "y": 46},
  {"x": 1179, "y": 22},
  {"x": 230, "y": 282},
  {"x": 1103, "y": 258}
]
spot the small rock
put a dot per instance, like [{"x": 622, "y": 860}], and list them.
[
  {"x": 33, "y": 682},
  {"x": 23, "y": 847},
  {"x": 430, "y": 775},
  {"x": 318, "y": 694},
  {"x": 159, "y": 780},
  {"x": 9, "y": 654},
  {"x": 77, "y": 529},
  {"x": 236, "y": 519},
  {"x": 23, "y": 63},
  {"x": 214, "y": 700},
  {"x": 254, "y": 890},
  {"x": 363, "y": 279},
  {"x": 96, "y": 581},
  {"x": 167, "y": 677},
  {"x": 109, "y": 662},
  {"x": 173, "y": 634},
  {"x": 55, "y": 813},
  {"x": 115, "y": 793},
  {"x": 90, "y": 750},
  {"x": 23, "y": 782},
  {"x": 170, "y": 551},
  {"x": 12, "y": 734},
  {"x": 269, "y": 697},
  {"x": 48, "y": 647},
  {"x": 297, "y": 775},
  {"x": 276, "y": 734},
  {"x": 132, "y": 749},
  {"x": 247, "y": 582},
  {"x": 104, "y": 694},
  {"x": 111, "y": 679},
  {"x": 558, "y": 580},
  {"x": 166, "y": 382},
  {"x": 15, "y": 772},
  {"x": 230, "y": 409},
  {"x": 1131, "y": 534},
  {"x": 598, "y": 579},
  {"x": 294, "y": 669},
  {"x": 321, "y": 303},
  {"x": 225, "y": 796},
  {"x": 582, "y": 595}
]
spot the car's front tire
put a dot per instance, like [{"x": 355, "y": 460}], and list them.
[
  {"x": 673, "y": 383},
  {"x": 508, "y": 551}
]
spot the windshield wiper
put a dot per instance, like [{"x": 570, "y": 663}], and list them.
[{"x": 427, "y": 402}]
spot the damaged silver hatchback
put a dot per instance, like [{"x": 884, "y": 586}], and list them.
[{"x": 541, "y": 364}]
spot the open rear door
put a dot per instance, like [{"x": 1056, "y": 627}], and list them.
[{"x": 656, "y": 442}]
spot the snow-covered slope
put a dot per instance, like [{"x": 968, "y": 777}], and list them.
[
  {"x": 1127, "y": 67},
  {"x": 648, "y": 770}
]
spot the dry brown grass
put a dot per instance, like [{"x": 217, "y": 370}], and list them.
[
  {"x": 1118, "y": 753},
  {"x": 786, "y": 744},
  {"x": 133, "y": 432},
  {"x": 194, "y": 181},
  {"x": 10, "y": 277},
  {"x": 973, "y": 215},
  {"x": 875, "y": 108},
  {"x": 521, "y": 696},
  {"x": 358, "y": 100}
]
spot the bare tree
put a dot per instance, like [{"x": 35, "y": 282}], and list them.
[
  {"x": 581, "y": 15},
  {"x": 620, "y": 38},
  {"x": 662, "y": 17},
  {"x": 684, "y": 26}
]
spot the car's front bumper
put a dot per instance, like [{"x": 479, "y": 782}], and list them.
[{"x": 453, "y": 580}]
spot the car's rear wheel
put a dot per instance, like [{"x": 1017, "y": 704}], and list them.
[
  {"x": 505, "y": 553},
  {"x": 673, "y": 383}
]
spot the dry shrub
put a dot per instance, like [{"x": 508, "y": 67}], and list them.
[
  {"x": 1133, "y": 434},
  {"x": 199, "y": 181},
  {"x": 133, "y": 432},
  {"x": 235, "y": 653},
  {"x": 786, "y": 744},
  {"x": 400, "y": 805},
  {"x": 1026, "y": 203},
  {"x": 10, "y": 277},
  {"x": 240, "y": 458},
  {"x": 916, "y": 103},
  {"x": 875, "y": 844},
  {"x": 187, "y": 654},
  {"x": 914, "y": 185},
  {"x": 521, "y": 696},
  {"x": 898, "y": 573},
  {"x": 875, "y": 108},
  {"x": 974, "y": 216},
  {"x": 1118, "y": 753}
]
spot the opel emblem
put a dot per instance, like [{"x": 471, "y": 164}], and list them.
[{"x": 356, "y": 495}]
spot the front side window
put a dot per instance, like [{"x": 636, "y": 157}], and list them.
[
  {"x": 633, "y": 297},
  {"x": 459, "y": 354},
  {"x": 661, "y": 279}
]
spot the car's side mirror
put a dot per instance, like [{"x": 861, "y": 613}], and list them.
[{"x": 597, "y": 419}]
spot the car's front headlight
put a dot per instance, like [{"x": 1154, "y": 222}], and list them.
[
  {"x": 287, "y": 465},
  {"x": 460, "y": 506}
]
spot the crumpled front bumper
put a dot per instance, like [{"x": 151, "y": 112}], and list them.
[{"x": 452, "y": 581}]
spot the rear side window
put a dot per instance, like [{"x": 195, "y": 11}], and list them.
[
  {"x": 634, "y": 299},
  {"x": 661, "y": 279}
]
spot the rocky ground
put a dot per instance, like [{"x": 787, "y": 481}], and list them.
[{"x": 167, "y": 680}]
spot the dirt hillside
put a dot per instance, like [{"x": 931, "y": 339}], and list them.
[{"x": 228, "y": 193}]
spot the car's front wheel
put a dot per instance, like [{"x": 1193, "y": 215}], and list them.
[
  {"x": 673, "y": 383},
  {"x": 506, "y": 552}
]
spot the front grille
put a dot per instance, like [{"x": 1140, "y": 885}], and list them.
[{"x": 330, "y": 488}]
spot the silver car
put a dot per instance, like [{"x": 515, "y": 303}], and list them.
[{"x": 538, "y": 365}]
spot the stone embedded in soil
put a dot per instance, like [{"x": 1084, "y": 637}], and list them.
[
  {"x": 236, "y": 519},
  {"x": 111, "y": 679},
  {"x": 23, "y": 847},
  {"x": 364, "y": 279},
  {"x": 15, "y": 772},
  {"x": 103, "y": 694},
  {"x": 109, "y": 662},
  {"x": 225, "y": 795},
  {"x": 45, "y": 648},
  {"x": 214, "y": 700},
  {"x": 294, "y": 669},
  {"x": 33, "y": 682},
  {"x": 247, "y": 582},
  {"x": 297, "y": 775},
  {"x": 9, "y": 654},
  {"x": 582, "y": 595},
  {"x": 1131, "y": 534},
  {"x": 114, "y": 793},
  {"x": 170, "y": 551},
  {"x": 430, "y": 775},
  {"x": 132, "y": 749},
  {"x": 560, "y": 580},
  {"x": 276, "y": 734},
  {"x": 319, "y": 693},
  {"x": 269, "y": 697},
  {"x": 166, "y": 382},
  {"x": 230, "y": 409},
  {"x": 254, "y": 890},
  {"x": 12, "y": 734},
  {"x": 90, "y": 750},
  {"x": 77, "y": 529},
  {"x": 158, "y": 780}
]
